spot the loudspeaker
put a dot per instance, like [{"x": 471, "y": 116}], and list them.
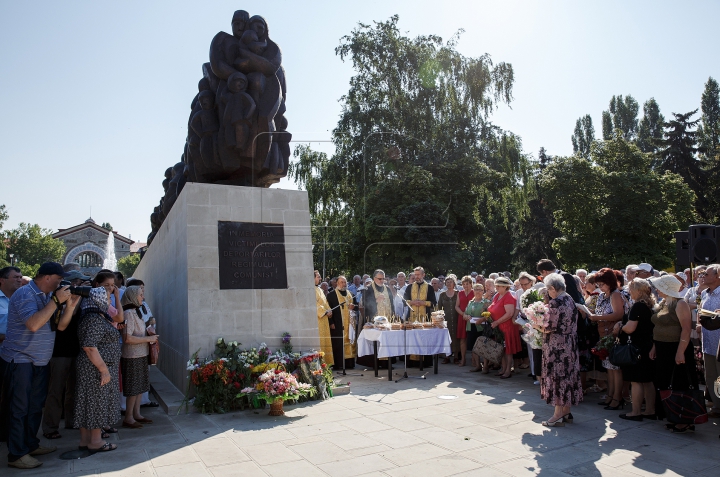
[
  {"x": 703, "y": 244},
  {"x": 682, "y": 251}
]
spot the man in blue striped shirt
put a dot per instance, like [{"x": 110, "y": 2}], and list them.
[{"x": 24, "y": 357}]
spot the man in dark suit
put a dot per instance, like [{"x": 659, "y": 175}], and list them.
[{"x": 545, "y": 267}]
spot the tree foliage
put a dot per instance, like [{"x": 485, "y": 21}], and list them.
[
  {"x": 583, "y": 136},
  {"x": 615, "y": 208},
  {"x": 128, "y": 264},
  {"x": 678, "y": 154},
  {"x": 107, "y": 226},
  {"x": 3, "y": 253},
  {"x": 418, "y": 170},
  {"x": 32, "y": 245},
  {"x": 709, "y": 130},
  {"x": 623, "y": 113},
  {"x": 650, "y": 130}
]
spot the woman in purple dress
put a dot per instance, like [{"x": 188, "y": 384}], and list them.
[{"x": 560, "y": 382}]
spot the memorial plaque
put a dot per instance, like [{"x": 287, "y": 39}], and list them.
[{"x": 252, "y": 256}]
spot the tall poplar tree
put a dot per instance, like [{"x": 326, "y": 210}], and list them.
[
  {"x": 623, "y": 113},
  {"x": 650, "y": 130},
  {"x": 583, "y": 136}
]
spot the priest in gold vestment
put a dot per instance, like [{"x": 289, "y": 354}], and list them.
[
  {"x": 342, "y": 303},
  {"x": 420, "y": 296},
  {"x": 324, "y": 315}
]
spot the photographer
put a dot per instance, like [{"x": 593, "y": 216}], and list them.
[
  {"x": 35, "y": 312},
  {"x": 61, "y": 386}
]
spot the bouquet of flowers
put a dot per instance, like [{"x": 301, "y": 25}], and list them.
[
  {"x": 276, "y": 384},
  {"x": 491, "y": 332},
  {"x": 603, "y": 347},
  {"x": 536, "y": 312},
  {"x": 287, "y": 345},
  {"x": 216, "y": 383},
  {"x": 529, "y": 297}
]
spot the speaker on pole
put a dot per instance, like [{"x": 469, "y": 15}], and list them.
[
  {"x": 682, "y": 250},
  {"x": 703, "y": 243}
]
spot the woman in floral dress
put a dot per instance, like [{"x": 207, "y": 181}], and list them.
[{"x": 560, "y": 382}]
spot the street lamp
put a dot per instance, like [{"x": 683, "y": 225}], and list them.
[{"x": 11, "y": 259}]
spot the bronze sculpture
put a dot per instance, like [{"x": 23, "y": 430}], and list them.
[{"x": 237, "y": 130}]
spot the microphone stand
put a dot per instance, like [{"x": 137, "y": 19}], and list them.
[{"x": 405, "y": 374}]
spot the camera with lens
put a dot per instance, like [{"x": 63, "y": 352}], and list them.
[{"x": 81, "y": 291}]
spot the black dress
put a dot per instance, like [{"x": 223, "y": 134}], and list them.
[{"x": 642, "y": 338}]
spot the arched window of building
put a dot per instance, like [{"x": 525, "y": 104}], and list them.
[{"x": 89, "y": 260}]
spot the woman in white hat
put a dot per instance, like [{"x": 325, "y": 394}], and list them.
[{"x": 672, "y": 350}]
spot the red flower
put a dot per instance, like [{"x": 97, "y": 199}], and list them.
[
  {"x": 237, "y": 385},
  {"x": 242, "y": 376},
  {"x": 277, "y": 371},
  {"x": 324, "y": 365}
]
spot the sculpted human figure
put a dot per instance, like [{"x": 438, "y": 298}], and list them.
[
  {"x": 205, "y": 123},
  {"x": 237, "y": 130},
  {"x": 239, "y": 107}
]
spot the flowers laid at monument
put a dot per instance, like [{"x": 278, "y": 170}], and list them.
[
  {"x": 276, "y": 386},
  {"x": 236, "y": 378}
]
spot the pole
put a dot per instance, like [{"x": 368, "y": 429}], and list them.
[{"x": 405, "y": 374}]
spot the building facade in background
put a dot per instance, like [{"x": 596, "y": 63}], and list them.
[{"x": 86, "y": 245}]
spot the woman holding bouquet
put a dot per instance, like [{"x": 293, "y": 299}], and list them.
[
  {"x": 560, "y": 382},
  {"x": 502, "y": 311},
  {"x": 475, "y": 309}
]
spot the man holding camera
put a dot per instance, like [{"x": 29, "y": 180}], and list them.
[{"x": 35, "y": 311}]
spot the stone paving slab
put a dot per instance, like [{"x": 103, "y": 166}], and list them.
[{"x": 453, "y": 423}]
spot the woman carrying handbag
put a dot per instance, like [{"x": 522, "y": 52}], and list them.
[{"x": 636, "y": 335}]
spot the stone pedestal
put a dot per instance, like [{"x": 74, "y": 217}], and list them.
[{"x": 182, "y": 284}]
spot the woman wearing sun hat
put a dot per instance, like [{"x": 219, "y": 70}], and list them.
[{"x": 671, "y": 335}]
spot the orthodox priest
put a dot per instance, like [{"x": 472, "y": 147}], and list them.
[
  {"x": 342, "y": 303},
  {"x": 420, "y": 296},
  {"x": 377, "y": 298},
  {"x": 376, "y": 301},
  {"x": 324, "y": 316}
]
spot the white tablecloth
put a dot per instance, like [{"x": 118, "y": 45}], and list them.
[{"x": 392, "y": 343}]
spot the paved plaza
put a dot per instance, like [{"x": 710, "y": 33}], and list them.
[{"x": 453, "y": 423}]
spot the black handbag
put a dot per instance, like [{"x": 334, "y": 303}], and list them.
[
  {"x": 624, "y": 354},
  {"x": 684, "y": 407}
]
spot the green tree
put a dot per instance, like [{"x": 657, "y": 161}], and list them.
[
  {"x": 418, "y": 169},
  {"x": 623, "y": 113},
  {"x": 678, "y": 154},
  {"x": 607, "y": 125},
  {"x": 107, "y": 226},
  {"x": 583, "y": 136},
  {"x": 708, "y": 132},
  {"x": 32, "y": 245},
  {"x": 128, "y": 264},
  {"x": 650, "y": 130},
  {"x": 533, "y": 234},
  {"x": 615, "y": 208},
  {"x": 3, "y": 253}
]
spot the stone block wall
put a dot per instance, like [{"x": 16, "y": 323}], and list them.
[{"x": 181, "y": 275}]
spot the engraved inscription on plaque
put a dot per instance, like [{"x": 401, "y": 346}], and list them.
[{"x": 252, "y": 255}]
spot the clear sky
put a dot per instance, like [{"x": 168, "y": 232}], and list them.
[{"x": 95, "y": 95}]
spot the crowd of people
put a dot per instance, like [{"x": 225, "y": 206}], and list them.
[
  {"x": 653, "y": 310},
  {"x": 74, "y": 346}
]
